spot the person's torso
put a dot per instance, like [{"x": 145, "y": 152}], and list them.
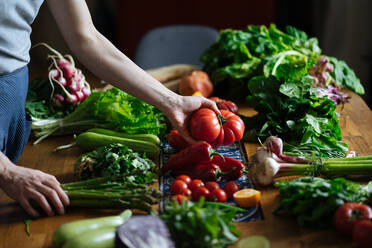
[{"x": 16, "y": 17}]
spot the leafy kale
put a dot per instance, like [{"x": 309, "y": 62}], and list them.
[
  {"x": 313, "y": 200},
  {"x": 199, "y": 224},
  {"x": 114, "y": 160}
]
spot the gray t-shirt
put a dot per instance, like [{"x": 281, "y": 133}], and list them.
[{"x": 16, "y": 17}]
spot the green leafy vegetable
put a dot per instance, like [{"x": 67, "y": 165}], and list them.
[
  {"x": 279, "y": 74},
  {"x": 199, "y": 224},
  {"x": 302, "y": 122},
  {"x": 313, "y": 200},
  {"x": 112, "y": 109},
  {"x": 346, "y": 76},
  {"x": 113, "y": 160}
]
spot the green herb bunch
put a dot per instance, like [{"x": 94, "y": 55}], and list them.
[
  {"x": 313, "y": 200},
  {"x": 200, "y": 224},
  {"x": 114, "y": 160}
]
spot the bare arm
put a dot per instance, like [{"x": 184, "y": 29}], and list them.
[{"x": 111, "y": 65}]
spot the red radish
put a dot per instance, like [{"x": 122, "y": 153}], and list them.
[
  {"x": 86, "y": 92},
  {"x": 69, "y": 80},
  {"x": 80, "y": 95},
  {"x": 58, "y": 100},
  {"x": 68, "y": 71},
  {"x": 74, "y": 87},
  {"x": 54, "y": 73},
  {"x": 72, "y": 99},
  {"x": 62, "y": 63},
  {"x": 62, "y": 81}
]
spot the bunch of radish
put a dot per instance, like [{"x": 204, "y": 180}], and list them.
[{"x": 72, "y": 88}]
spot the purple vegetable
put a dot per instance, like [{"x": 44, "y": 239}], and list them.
[
  {"x": 275, "y": 145},
  {"x": 145, "y": 231}
]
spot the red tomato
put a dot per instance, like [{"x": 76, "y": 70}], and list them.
[
  {"x": 196, "y": 183},
  {"x": 178, "y": 187},
  {"x": 206, "y": 125},
  {"x": 362, "y": 233},
  {"x": 199, "y": 192},
  {"x": 212, "y": 186},
  {"x": 224, "y": 104},
  {"x": 184, "y": 178},
  {"x": 176, "y": 140},
  {"x": 186, "y": 192},
  {"x": 180, "y": 198},
  {"x": 347, "y": 215},
  {"x": 230, "y": 188},
  {"x": 218, "y": 195}
]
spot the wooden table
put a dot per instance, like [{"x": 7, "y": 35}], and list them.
[{"x": 355, "y": 121}]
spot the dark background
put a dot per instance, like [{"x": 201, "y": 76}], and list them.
[{"x": 342, "y": 26}]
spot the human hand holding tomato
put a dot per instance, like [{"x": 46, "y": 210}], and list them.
[{"x": 223, "y": 129}]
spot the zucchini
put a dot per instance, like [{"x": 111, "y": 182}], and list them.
[
  {"x": 144, "y": 137},
  {"x": 99, "y": 238},
  {"x": 75, "y": 229},
  {"x": 89, "y": 141}
]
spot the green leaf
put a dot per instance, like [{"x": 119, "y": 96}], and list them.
[{"x": 345, "y": 76}]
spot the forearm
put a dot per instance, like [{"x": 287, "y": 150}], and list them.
[
  {"x": 109, "y": 64},
  {"x": 103, "y": 59}
]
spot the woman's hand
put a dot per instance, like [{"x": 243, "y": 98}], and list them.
[
  {"x": 180, "y": 113},
  {"x": 23, "y": 184}
]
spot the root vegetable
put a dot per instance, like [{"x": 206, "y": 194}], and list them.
[
  {"x": 269, "y": 162},
  {"x": 69, "y": 80},
  {"x": 58, "y": 100},
  {"x": 275, "y": 145}
]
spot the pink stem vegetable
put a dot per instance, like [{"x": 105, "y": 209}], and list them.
[
  {"x": 275, "y": 145},
  {"x": 269, "y": 163},
  {"x": 70, "y": 80}
]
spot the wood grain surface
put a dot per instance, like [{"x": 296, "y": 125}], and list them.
[{"x": 355, "y": 121}]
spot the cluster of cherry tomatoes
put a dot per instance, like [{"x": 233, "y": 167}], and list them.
[{"x": 185, "y": 188}]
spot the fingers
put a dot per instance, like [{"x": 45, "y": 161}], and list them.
[
  {"x": 53, "y": 197},
  {"x": 206, "y": 103},
  {"x": 185, "y": 134},
  {"x": 29, "y": 209},
  {"x": 42, "y": 201},
  {"x": 54, "y": 184}
]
